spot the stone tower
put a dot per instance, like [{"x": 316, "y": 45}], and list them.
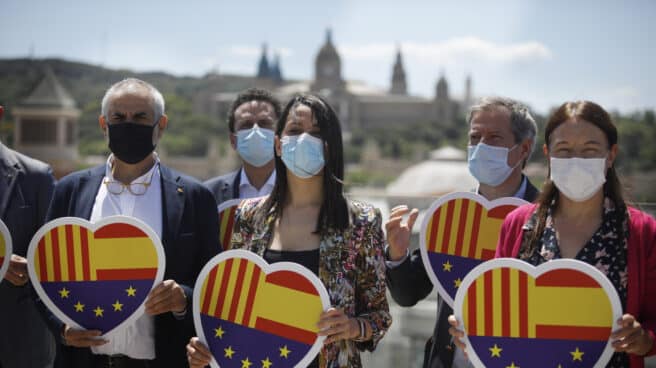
[
  {"x": 399, "y": 86},
  {"x": 443, "y": 104},
  {"x": 46, "y": 125},
  {"x": 328, "y": 68},
  {"x": 263, "y": 70}
]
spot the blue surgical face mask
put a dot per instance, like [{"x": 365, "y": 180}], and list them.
[
  {"x": 302, "y": 154},
  {"x": 255, "y": 145},
  {"x": 489, "y": 164}
]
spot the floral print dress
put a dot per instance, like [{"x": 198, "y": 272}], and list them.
[
  {"x": 605, "y": 250},
  {"x": 351, "y": 267}
]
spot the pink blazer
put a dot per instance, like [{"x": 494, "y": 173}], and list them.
[{"x": 641, "y": 264}]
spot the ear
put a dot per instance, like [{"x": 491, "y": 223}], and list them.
[
  {"x": 2, "y": 112},
  {"x": 163, "y": 123},
  {"x": 525, "y": 148},
  {"x": 278, "y": 146},
  {"x": 545, "y": 150},
  {"x": 612, "y": 154},
  {"x": 103, "y": 124},
  {"x": 233, "y": 141}
]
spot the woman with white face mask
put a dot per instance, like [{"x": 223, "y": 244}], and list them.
[
  {"x": 581, "y": 214},
  {"x": 306, "y": 219}
]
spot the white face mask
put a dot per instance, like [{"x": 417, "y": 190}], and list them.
[{"x": 578, "y": 178}]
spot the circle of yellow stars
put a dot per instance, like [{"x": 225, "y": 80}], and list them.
[
  {"x": 64, "y": 293},
  {"x": 229, "y": 352}
]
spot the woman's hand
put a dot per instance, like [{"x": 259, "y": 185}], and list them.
[
  {"x": 457, "y": 334},
  {"x": 198, "y": 355},
  {"x": 336, "y": 325},
  {"x": 631, "y": 337}
]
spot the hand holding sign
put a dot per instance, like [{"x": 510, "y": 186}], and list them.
[
  {"x": 248, "y": 311},
  {"x": 512, "y": 312},
  {"x": 95, "y": 276},
  {"x": 459, "y": 232},
  {"x": 5, "y": 250}
]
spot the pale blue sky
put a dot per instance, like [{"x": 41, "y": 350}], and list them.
[{"x": 542, "y": 52}]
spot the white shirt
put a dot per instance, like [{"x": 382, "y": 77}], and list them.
[
  {"x": 247, "y": 190},
  {"x": 136, "y": 340}
]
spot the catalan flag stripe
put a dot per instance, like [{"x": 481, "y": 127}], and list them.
[
  {"x": 84, "y": 237},
  {"x": 250, "y": 300},
  {"x": 462, "y": 222},
  {"x": 208, "y": 286},
  {"x": 70, "y": 252},
  {"x": 447, "y": 227},
  {"x": 475, "y": 229}
]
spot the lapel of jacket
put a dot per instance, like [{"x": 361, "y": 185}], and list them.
[
  {"x": 9, "y": 171},
  {"x": 231, "y": 190},
  {"x": 87, "y": 191},
  {"x": 173, "y": 198}
]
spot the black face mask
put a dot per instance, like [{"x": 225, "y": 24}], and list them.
[{"x": 131, "y": 142}]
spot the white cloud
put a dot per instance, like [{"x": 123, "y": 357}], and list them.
[{"x": 452, "y": 51}]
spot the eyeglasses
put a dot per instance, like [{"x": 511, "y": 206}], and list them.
[{"x": 116, "y": 187}]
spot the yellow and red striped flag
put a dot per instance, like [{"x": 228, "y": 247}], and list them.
[
  {"x": 261, "y": 312},
  {"x": 95, "y": 275}
]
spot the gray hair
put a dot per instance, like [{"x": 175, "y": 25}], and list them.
[
  {"x": 132, "y": 85},
  {"x": 522, "y": 124}
]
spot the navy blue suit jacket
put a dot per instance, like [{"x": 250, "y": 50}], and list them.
[
  {"x": 225, "y": 187},
  {"x": 190, "y": 236}
]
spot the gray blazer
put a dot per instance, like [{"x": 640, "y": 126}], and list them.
[{"x": 26, "y": 187}]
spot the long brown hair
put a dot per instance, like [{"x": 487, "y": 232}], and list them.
[{"x": 596, "y": 115}]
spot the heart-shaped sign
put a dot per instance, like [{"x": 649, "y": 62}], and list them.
[
  {"x": 227, "y": 211},
  {"x": 95, "y": 276},
  {"x": 559, "y": 314},
  {"x": 250, "y": 313},
  {"x": 459, "y": 232},
  {"x": 5, "y": 249}
]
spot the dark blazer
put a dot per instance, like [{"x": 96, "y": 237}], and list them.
[
  {"x": 25, "y": 190},
  {"x": 190, "y": 236},
  {"x": 409, "y": 283},
  {"x": 225, "y": 187}
]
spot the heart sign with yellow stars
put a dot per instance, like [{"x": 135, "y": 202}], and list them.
[
  {"x": 559, "y": 314},
  {"x": 251, "y": 314},
  {"x": 460, "y": 231},
  {"x": 95, "y": 276},
  {"x": 5, "y": 249}
]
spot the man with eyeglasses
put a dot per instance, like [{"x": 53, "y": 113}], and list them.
[
  {"x": 252, "y": 121},
  {"x": 25, "y": 189},
  {"x": 179, "y": 209}
]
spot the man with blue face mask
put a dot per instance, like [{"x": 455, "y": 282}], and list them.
[
  {"x": 501, "y": 139},
  {"x": 252, "y": 120}
]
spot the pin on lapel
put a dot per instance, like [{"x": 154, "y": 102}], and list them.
[{"x": 180, "y": 190}]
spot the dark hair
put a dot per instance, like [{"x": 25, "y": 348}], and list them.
[
  {"x": 596, "y": 115},
  {"x": 252, "y": 94},
  {"x": 334, "y": 210}
]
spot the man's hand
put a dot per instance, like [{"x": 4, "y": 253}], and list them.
[
  {"x": 82, "y": 338},
  {"x": 198, "y": 355},
  {"x": 166, "y": 297},
  {"x": 17, "y": 271},
  {"x": 398, "y": 233},
  {"x": 631, "y": 337}
]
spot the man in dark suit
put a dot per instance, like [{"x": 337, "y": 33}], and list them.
[
  {"x": 25, "y": 190},
  {"x": 501, "y": 139},
  {"x": 252, "y": 121},
  {"x": 178, "y": 208}
]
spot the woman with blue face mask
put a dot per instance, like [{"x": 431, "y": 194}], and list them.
[
  {"x": 306, "y": 219},
  {"x": 581, "y": 214}
]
